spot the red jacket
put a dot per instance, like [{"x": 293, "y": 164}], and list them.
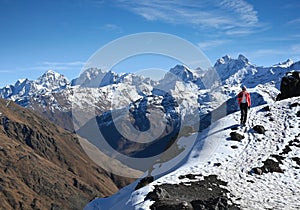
[{"x": 240, "y": 97}]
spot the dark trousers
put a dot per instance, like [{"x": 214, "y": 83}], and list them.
[{"x": 244, "y": 112}]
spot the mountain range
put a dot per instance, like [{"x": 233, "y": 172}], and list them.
[{"x": 55, "y": 97}]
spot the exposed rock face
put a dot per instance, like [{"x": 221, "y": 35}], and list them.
[
  {"x": 209, "y": 193},
  {"x": 145, "y": 181},
  {"x": 290, "y": 85},
  {"x": 43, "y": 166}
]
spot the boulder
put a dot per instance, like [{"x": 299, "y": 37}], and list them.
[
  {"x": 265, "y": 109},
  {"x": 236, "y": 136},
  {"x": 259, "y": 129},
  {"x": 144, "y": 182},
  {"x": 290, "y": 85},
  {"x": 159, "y": 193}
]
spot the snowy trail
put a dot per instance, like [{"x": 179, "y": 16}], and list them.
[{"x": 271, "y": 190}]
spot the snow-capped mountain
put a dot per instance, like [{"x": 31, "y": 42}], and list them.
[
  {"x": 95, "y": 77},
  {"x": 51, "y": 81},
  {"x": 24, "y": 90},
  {"x": 96, "y": 91}
]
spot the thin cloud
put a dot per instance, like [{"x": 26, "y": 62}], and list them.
[
  {"x": 294, "y": 22},
  {"x": 208, "y": 45},
  {"x": 63, "y": 66},
  {"x": 74, "y": 63},
  {"x": 295, "y": 49},
  {"x": 6, "y": 71},
  {"x": 112, "y": 27},
  {"x": 224, "y": 15},
  {"x": 292, "y": 51},
  {"x": 291, "y": 6},
  {"x": 266, "y": 52}
]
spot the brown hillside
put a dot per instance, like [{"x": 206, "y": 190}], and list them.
[{"x": 43, "y": 166}]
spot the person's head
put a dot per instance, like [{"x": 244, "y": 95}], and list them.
[{"x": 244, "y": 88}]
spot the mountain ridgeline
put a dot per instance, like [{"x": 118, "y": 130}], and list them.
[{"x": 53, "y": 96}]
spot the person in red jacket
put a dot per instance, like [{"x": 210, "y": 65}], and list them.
[{"x": 244, "y": 101}]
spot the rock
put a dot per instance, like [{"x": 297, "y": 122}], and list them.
[
  {"x": 209, "y": 193},
  {"x": 271, "y": 166},
  {"x": 158, "y": 193},
  {"x": 236, "y": 136},
  {"x": 144, "y": 182},
  {"x": 259, "y": 129},
  {"x": 186, "y": 205},
  {"x": 298, "y": 114},
  {"x": 217, "y": 164},
  {"x": 268, "y": 115},
  {"x": 279, "y": 158},
  {"x": 297, "y": 160},
  {"x": 286, "y": 150},
  {"x": 189, "y": 176},
  {"x": 290, "y": 85},
  {"x": 271, "y": 119},
  {"x": 257, "y": 171},
  {"x": 234, "y": 147},
  {"x": 265, "y": 109},
  {"x": 294, "y": 105}
]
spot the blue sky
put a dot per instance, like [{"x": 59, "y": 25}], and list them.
[{"x": 37, "y": 35}]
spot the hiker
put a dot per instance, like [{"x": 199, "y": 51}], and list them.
[{"x": 244, "y": 101}]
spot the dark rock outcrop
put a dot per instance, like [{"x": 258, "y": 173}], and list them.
[
  {"x": 290, "y": 85},
  {"x": 236, "y": 136},
  {"x": 144, "y": 182},
  {"x": 205, "y": 194},
  {"x": 269, "y": 166},
  {"x": 259, "y": 129},
  {"x": 265, "y": 109}
]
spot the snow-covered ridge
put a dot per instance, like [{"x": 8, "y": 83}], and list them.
[
  {"x": 49, "y": 82},
  {"x": 234, "y": 161}
]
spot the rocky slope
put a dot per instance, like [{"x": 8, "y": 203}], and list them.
[{"x": 44, "y": 166}]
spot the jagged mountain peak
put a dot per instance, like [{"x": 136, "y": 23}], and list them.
[
  {"x": 243, "y": 58},
  {"x": 227, "y": 60},
  {"x": 51, "y": 75},
  {"x": 52, "y": 81},
  {"x": 224, "y": 59},
  {"x": 21, "y": 81},
  {"x": 95, "y": 77},
  {"x": 184, "y": 72},
  {"x": 285, "y": 64}
]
